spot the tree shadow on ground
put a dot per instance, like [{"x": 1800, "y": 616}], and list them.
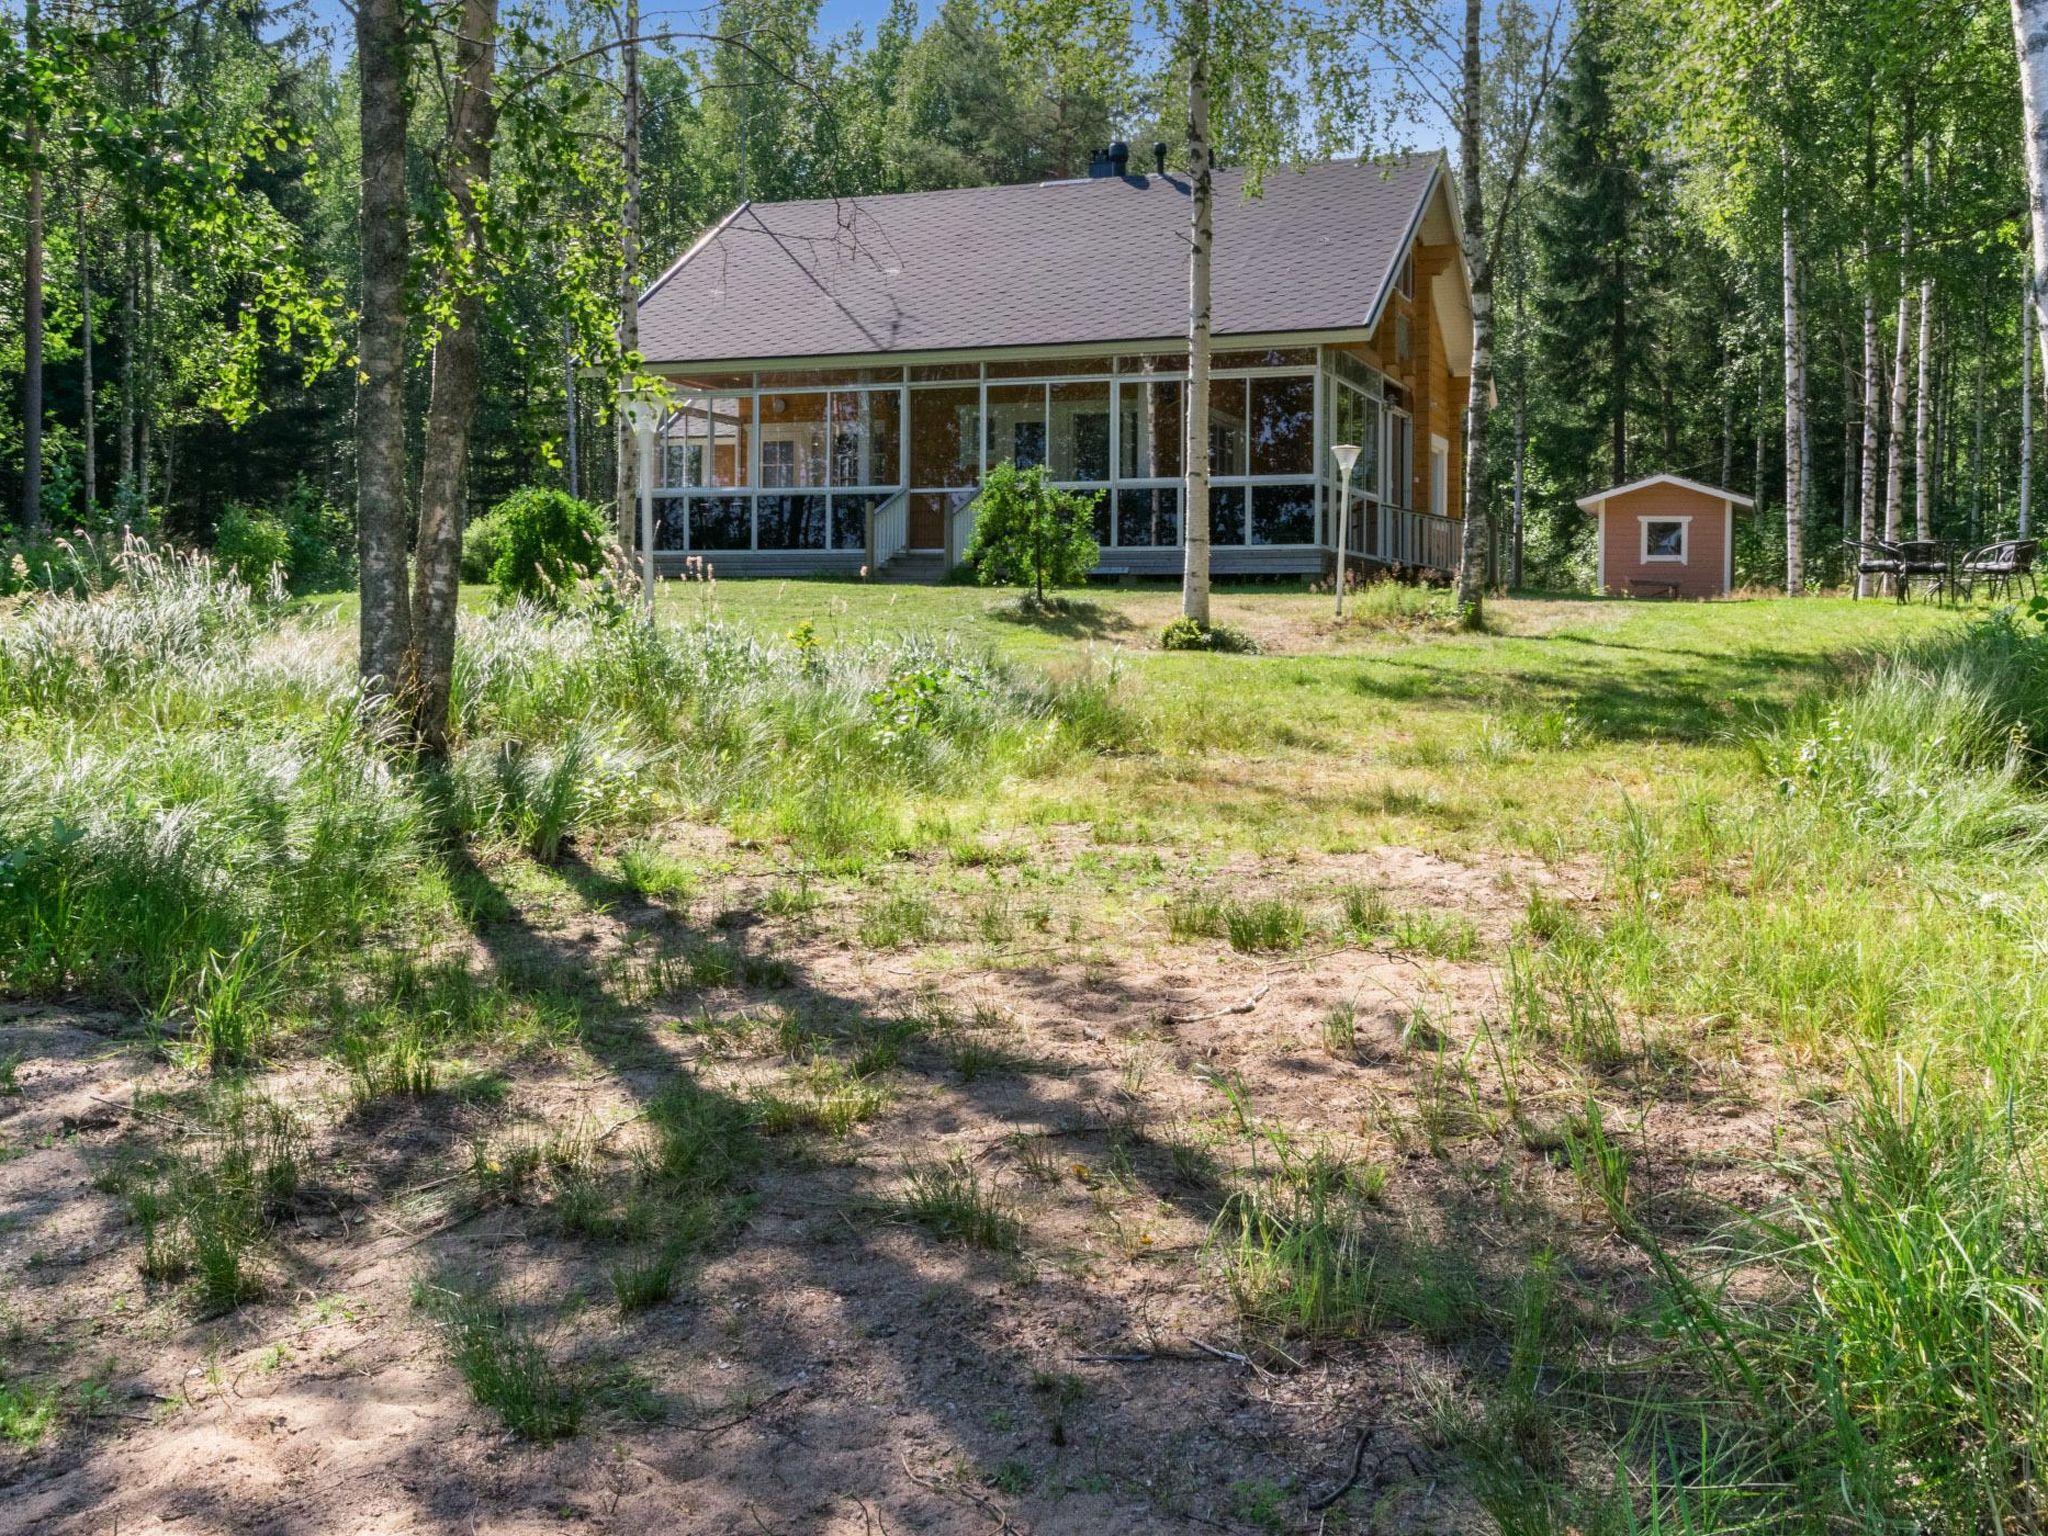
[{"x": 1070, "y": 618}]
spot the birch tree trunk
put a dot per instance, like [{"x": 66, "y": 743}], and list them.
[
  {"x": 32, "y": 306},
  {"x": 451, "y": 402},
  {"x": 624, "y": 456},
  {"x": 385, "y": 633},
  {"x": 1895, "y": 462},
  {"x": 1923, "y": 420},
  {"x": 575, "y": 478},
  {"x": 88, "y": 424},
  {"x": 2027, "y": 328},
  {"x": 1866, "y": 523},
  {"x": 1194, "y": 595},
  {"x": 1795, "y": 418},
  {"x": 1473, "y": 544},
  {"x": 2030, "y": 35},
  {"x": 130, "y": 277}
]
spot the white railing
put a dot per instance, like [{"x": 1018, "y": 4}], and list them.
[
  {"x": 960, "y": 530},
  {"x": 888, "y": 531}
]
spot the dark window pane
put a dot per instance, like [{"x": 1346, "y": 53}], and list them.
[
  {"x": 1104, "y": 534},
  {"x": 721, "y": 522},
  {"x": 669, "y": 512},
  {"x": 850, "y": 520},
  {"x": 1283, "y": 426},
  {"x": 1283, "y": 514},
  {"x": 1226, "y": 514},
  {"x": 1145, "y": 519},
  {"x": 791, "y": 522}
]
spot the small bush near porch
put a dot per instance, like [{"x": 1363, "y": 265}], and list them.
[{"x": 1029, "y": 532}]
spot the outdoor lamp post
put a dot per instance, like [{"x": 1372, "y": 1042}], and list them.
[
  {"x": 1346, "y": 455},
  {"x": 643, "y": 415}
]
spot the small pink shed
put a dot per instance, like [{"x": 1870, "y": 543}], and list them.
[{"x": 1666, "y": 536}]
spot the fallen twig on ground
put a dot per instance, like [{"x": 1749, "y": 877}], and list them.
[
  {"x": 1357, "y": 1466},
  {"x": 1217, "y": 1013}
]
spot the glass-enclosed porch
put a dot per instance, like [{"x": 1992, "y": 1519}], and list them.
[{"x": 787, "y": 469}]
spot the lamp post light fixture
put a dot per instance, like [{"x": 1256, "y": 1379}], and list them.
[
  {"x": 643, "y": 415},
  {"x": 1346, "y": 455}
]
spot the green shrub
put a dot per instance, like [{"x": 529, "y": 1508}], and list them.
[
  {"x": 548, "y": 542},
  {"x": 323, "y": 541},
  {"x": 1186, "y": 634},
  {"x": 253, "y": 545},
  {"x": 1030, "y": 532},
  {"x": 482, "y": 542}
]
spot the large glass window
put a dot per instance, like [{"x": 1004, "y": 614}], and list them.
[
  {"x": 731, "y": 440},
  {"x": 1148, "y": 518},
  {"x": 685, "y": 438},
  {"x": 790, "y": 522},
  {"x": 721, "y": 522},
  {"x": 944, "y": 447},
  {"x": 1226, "y": 514},
  {"x": 1227, "y": 423},
  {"x": 866, "y": 437},
  {"x": 1400, "y": 460},
  {"x": 850, "y": 520},
  {"x": 1283, "y": 514},
  {"x": 792, "y": 440},
  {"x": 1016, "y": 425},
  {"x": 1150, "y": 429},
  {"x": 1282, "y": 428},
  {"x": 1080, "y": 431}
]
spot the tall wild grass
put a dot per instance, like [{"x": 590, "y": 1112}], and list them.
[
  {"x": 194, "y": 801},
  {"x": 1872, "y": 1352}
]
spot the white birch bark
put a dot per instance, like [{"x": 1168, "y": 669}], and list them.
[
  {"x": 2027, "y": 329},
  {"x": 1795, "y": 422},
  {"x": 2030, "y": 35},
  {"x": 1923, "y": 420},
  {"x": 624, "y": 455},
  {"x": 1194, "y": 596}
]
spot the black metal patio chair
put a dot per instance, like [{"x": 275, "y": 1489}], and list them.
[{"x": 2002, "y": 567}]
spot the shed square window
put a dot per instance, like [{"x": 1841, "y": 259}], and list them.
[{"x": 1664, "y": 538}]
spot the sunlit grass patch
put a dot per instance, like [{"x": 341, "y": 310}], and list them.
[
  {"x": 949, "y": 1200},
  {"x": 505, "y": 1368}
]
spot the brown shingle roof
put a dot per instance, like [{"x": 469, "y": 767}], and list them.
[{"x": 1073, "y": 262}]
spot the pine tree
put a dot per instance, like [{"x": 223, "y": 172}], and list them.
[{"x": 1583, "y": 213}]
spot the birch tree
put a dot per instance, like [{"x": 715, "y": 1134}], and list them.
[{"x": 2030, "y": 35}]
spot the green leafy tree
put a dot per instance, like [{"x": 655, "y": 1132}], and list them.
[{"x": 1029, "y": 531}]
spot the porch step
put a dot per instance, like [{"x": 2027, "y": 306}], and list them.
[{"x": 918, "y": 567}]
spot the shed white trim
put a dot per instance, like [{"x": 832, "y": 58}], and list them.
[
  {"x": 1734, "y": 499},
  {"x": 1643, "y": 523}
]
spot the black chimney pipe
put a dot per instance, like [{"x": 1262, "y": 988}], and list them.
[
  {"x": 1098, "y": 162},
  {"x": 1159, "y": 155},
  {"x": 1119, "y": 158}
]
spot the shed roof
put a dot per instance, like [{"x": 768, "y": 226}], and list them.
[
  {"x": 1588, "y": 503},
  {"x": 1100, "y": 260}
]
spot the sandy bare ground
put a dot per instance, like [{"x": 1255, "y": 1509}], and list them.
[{"x": 834, "y": 1368}]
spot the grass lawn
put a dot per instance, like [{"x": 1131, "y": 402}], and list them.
[{"x": 867, "y": 1058}]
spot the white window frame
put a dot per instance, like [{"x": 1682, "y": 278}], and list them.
[
  {"x": 1439, "y": 476},
  {"x": 1684, "y": 555}
]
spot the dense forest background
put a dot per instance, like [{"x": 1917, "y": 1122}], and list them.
[{"x": 198, "y": 189}]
